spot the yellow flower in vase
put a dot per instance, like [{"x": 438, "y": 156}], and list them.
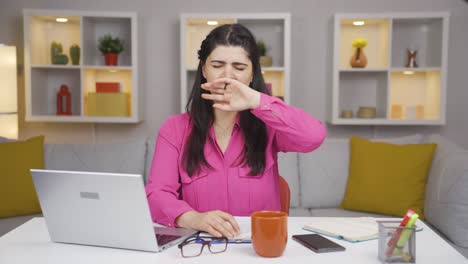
[
  {"x": 359, "y": 60},
  {"x": 359, "y": 43}
]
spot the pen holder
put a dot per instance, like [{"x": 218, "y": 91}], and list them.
[{"x": 396, "y": 244}]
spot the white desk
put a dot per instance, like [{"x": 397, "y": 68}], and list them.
[{"x": 30, "y": 243}]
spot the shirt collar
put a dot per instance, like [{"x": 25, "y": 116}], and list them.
[{"x": 236, "y": 125}]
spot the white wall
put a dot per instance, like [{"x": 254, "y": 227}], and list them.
[{"x": 311, "y": 60}]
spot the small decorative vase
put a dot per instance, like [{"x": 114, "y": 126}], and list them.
[
  {"x": 359, "y": 59},
  {"x": 75, "y": 54},
  {"x": 111, "y": 59},
  {"x": 346, "y": 114},
  {"x": 367, "y": 112},
  {"x": 64, "y": 101},
  {"x": 266, "y": 61}
]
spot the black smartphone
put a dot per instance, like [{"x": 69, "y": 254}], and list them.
[{"x": 318, "y": 243}]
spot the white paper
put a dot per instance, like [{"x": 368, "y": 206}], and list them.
[{"x": 245, "y": 229}]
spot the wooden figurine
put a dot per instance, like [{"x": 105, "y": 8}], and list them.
[{"x": 411, "y": 58}]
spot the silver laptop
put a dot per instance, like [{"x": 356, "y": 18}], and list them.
[{"x": 101, "y": 209}]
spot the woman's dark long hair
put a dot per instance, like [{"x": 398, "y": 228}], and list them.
[{"x": 201, "y": 110}]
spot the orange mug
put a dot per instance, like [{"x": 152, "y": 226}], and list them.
[{"x": 269, "y": 232}]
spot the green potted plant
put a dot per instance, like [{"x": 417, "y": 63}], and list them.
[
  {"x": 110, "y": 47},
  {"x": 265, "y": 61}
]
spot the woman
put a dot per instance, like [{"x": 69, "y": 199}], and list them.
[{"x": 220, "y": 158}]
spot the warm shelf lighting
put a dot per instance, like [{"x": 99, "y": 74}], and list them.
[
  {"x": 61, "y": 19},
  {"x": 408, "y": 72},
  {"x": 112, "y": 70},
  {"x": 212, "y": 22},
  {"x": 359, "y": 23}
]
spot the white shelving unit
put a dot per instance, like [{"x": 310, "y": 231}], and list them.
[
  {"x": 401, "y": 95},
  {"x": 273, "y": 28},
  {"x": 43, "y": 79}
]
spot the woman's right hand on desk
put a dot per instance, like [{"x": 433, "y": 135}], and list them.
[{"x": 217, "y": 223}]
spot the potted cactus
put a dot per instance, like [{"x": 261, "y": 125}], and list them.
[
  {"x": 56, "y": 53},
  {"x": 110, "y": 47},
  {"x": 265, "y": 61},
  {"x": 75, "y": 54}
]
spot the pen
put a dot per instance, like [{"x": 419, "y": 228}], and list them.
[
  {"x": 405, "y": 234},
  {"x": 392, "y": 242}
]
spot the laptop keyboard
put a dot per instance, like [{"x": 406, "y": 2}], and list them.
[{"x": 164, "y": 239}]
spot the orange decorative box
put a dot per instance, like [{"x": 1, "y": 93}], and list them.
[{"x": 108, "y": 87}]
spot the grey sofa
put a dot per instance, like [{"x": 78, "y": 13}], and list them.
[{"x": 317, "y": 180}]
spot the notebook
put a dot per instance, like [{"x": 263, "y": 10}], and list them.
[
  {"x": 245, "y": 235},
  {"x": 352, "y": 229}
]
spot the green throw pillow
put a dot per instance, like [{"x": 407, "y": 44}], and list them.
[
  {"x": 17, "y": 193},
  {"x": 387, "y": 178}
]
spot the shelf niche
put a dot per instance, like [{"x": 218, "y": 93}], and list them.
[
  {"x": 415, "y": 90},
  {"x": 375, "y": 31},
  {"x": 423, "y": 35},
  {"x": 197, "y": 30},
  {"x": 43, "y": 30},
  {"x": 124, "y": 77},
  {"x": 367, "y": 89},
  {"x": 271, "y": 32},
  {"x": 47, "y": 84},
  {"x": 97, "y": 27}
]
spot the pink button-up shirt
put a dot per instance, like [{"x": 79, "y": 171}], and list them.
[{"x": 226, "y": 187}]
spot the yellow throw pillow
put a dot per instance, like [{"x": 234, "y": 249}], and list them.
[
  {"x": 387, "y": 178},
  {"x": 17, "y": 193}
]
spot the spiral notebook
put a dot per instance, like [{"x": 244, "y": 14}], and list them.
[{"x": 352, "y": 229}]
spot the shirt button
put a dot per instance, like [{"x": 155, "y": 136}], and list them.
[{"x": 265, "y": 106}]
